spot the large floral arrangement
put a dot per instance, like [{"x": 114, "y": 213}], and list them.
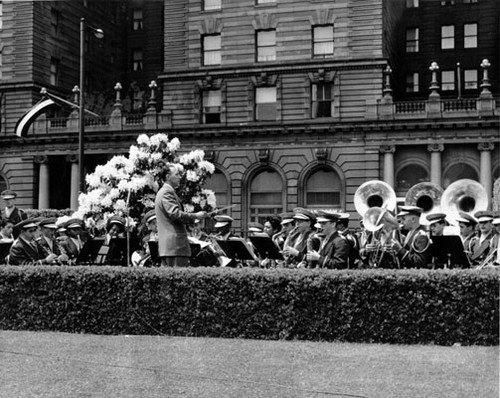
[{"x": 127, "y": 185}]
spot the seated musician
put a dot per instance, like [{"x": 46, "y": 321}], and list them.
[
  {"x": 495, "y": 243},
  {"x": 437, "y": 222},
  {"x": 467, "y": 225},
  {"x": 415, "y": 251},
  {"x": 24, "y": 250},
  {"x": 296, "y": 246},
  {"x": 47, "y": 242},
  {"x": 334, "y": 250},
  {"x": 223, "y": 227},
  {"x": 482, "y": 250},
  {"x": 6, "y": 228},
  {"x": 73, "y": 244},
  {"x": 142, "y": 256},
  {"x": 287, "y": 225},
  {"x": 343, "y": 229},
  {"x": 256, "y": 229}
]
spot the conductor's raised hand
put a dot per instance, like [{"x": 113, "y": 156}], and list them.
[{"x": 201, "y": 215}]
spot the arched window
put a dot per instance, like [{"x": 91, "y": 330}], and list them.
[
  {"x": 323, "y": 189},
  {"x": 457, "y": 172},
  {"x": 3, "y": 184},
  {"x": 266, "y": 195},
  {"x": 408, "y": 176}
]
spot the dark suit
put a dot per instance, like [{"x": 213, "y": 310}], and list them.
[
  {"x": 334, "y": 252},
  {"x": 46, "y": 249},
  {"x": 481, "y": 250},
  {"x": 70, "y": 248},
  {"x": 171, "y": 219},
  {"x": 416, "y": 249},
  {"x": 22, "y": 253}
]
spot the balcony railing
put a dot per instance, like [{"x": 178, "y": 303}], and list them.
[
  {"x": 410, "y": 107},
  {"x": 458, "y": 105}
]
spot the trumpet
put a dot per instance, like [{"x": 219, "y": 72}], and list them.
[{"x": 488, "y": 260}]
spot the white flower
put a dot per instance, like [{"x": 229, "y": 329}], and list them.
[
  {"x": 157, "y": 139},
  {"x": 211, "y": 199},
  {"x": 195, "y": 199},
  {"x": 120, "y": 205},
  {"x": 61, "y": 220},
  {"x": 174, "y": 145},
  {"x": 192, "y": 176},
  {"x": 143, "y": 139},
  {"x": 207, "y": 166},
  {"x": 92, "y": 180},
  {"x": 189, "y": 208}
]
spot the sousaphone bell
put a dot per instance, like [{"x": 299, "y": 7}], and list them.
[
  {"x": 374, "y": 193},
  {"x": 464, "y": 195},
  {"x": 427, "y": 196}
]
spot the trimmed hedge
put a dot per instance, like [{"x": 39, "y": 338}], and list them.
[
  {"x": 48, "y": 213},
  {"x": 406, "y": 307}
]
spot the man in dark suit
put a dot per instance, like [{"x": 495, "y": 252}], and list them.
[
  {"x": 47, "y": 243},
  {"x": 73, "y": 244},
  {"x": 173, "y": 244},
  {"x": 10, "y": 211},
  {"x": 416, "y": 248},
  {"x": 334, "y": 250},
  {"x": 25, "y": 251},
  {"x": 467, "y": 225}
]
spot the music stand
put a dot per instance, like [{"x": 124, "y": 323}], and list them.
[
  {"x": 117, "y": 253},
  {"x": 153, "y": 251},
  {"x": 266, "y": 247},
  {"x": 4, "y": 249},
  {"x": 449, "y": 250},
  {"x": 89, "y": 251},
  {"x": 237, "y": 249}
]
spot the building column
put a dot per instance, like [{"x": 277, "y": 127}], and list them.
[
  {"x": 75, "y": 180},
  {"x": 485, "y": 177},
  {"x": 436, "y": 168},
  {"x": 43, "y": 182},
  {"x": 388, "y": 151}
]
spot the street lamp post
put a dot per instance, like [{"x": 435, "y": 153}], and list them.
[{"x": 81, "y": 115}]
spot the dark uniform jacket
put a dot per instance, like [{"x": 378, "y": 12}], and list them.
[
  {"x": 15, "y": 217},
  {"x": 334, "y": 252},
  {"x": 45, "y": 248},
  {"x": 24, "y": 253},
  {"x": 481, "y": 250},
  {"x": 416, "y": 249}
]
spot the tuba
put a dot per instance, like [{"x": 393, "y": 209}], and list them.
[
  {"x": 374, "y": 193},
  {"x": 427, "y": 196},
  {"x": 464, "y": 195}
]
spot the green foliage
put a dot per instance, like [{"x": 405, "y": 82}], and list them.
[{"x": 399, "y": 307}]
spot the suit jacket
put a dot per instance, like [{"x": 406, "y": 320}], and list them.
[
  {"x": 334, "y": 252},
  {"x": 171, "y": 219},
  {"x": 45, "y": 249},
  {"x": 416, "y": 249},
  {"x": 21, "y": 253},
  {"x": 16, "y": 216},
  {"x": 70, "y": 248}
]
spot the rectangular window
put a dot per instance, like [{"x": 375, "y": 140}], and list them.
[
  {"x": 1, "y": 15},
  {"x": 266, "y": 45},
  {"x": 212, "y": 50},
  {"x": 470, "y": 1},
  {"x": 447, "y": 2},
  {"x": 412, "y": 83},
  {"x": 412, "y": 40},
  {"x": 212, "y": 102},
  {"x": 411, "y": 3},
  {"x": 470, "y": 35},
  {"x": 1, "y": 60},
  {"x": 265, "y": 1},
  {"x": 212, "y": 5},
  {"x": 54, "y": 21},
  {"x": 137, "y": 19},
  {"x": 322, "y": 100},
  {"x": 447, "y": 37},
  {"x": 54, "y": 71},
  {"x": 322, "y": 41},
  {"x": 137, "y": 60},
  {"x": 265, "y": 103},
  {"x": 470, "y": 79},
  {"x": 447, "y": 80}
]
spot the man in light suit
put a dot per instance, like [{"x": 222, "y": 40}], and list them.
[
  {"x": 173, "y": 243},
  {"x": 11, "y": 212}
]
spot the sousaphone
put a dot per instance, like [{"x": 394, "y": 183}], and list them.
[
  {"x": 464, "y": 195},
  {"x": 374, "y": 193},
  {"x": 427, "y": 196}
]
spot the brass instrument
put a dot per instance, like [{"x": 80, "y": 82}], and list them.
[
  {"x": 488, "y": 260},
  {"x": 427, "y": 196},
  {"x": 374, "y": 193},
  {"x": 464, "y": 195},
  {"x": 381, "y": 222}
]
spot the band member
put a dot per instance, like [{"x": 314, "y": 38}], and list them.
[
  {"x": 415, "y": 250},
  {"x": 115, "y": 228},
  {"x": 437, "y": 222},
  {"x": 334, "y": 250},
  {"x": 256, "y": 229},
  {"x": 47, "y": 242},
  {"x": 6, "y": 228},
  {"x": 296, "y": 246},
  {"x": 287, "y": 225},
  {"x": 482, "y": 250},
  {"x": 496, "y": 256},
  {"x": 24, "y": 250},
  {"x": 73, "y": 244},
  {"x": 467, "y": 225},
  {"x": 343, "y": 228},
  {"x": 142, "y": 256},
  {"x": 223, "y": 227},
  {"x": 272, "y": 226},
  {"x": 11, "y": 212}
]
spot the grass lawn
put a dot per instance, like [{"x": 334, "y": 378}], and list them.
[{"x": 46, "y": 364}]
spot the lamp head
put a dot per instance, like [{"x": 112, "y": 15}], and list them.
[{"x": 98, "y": 33}]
